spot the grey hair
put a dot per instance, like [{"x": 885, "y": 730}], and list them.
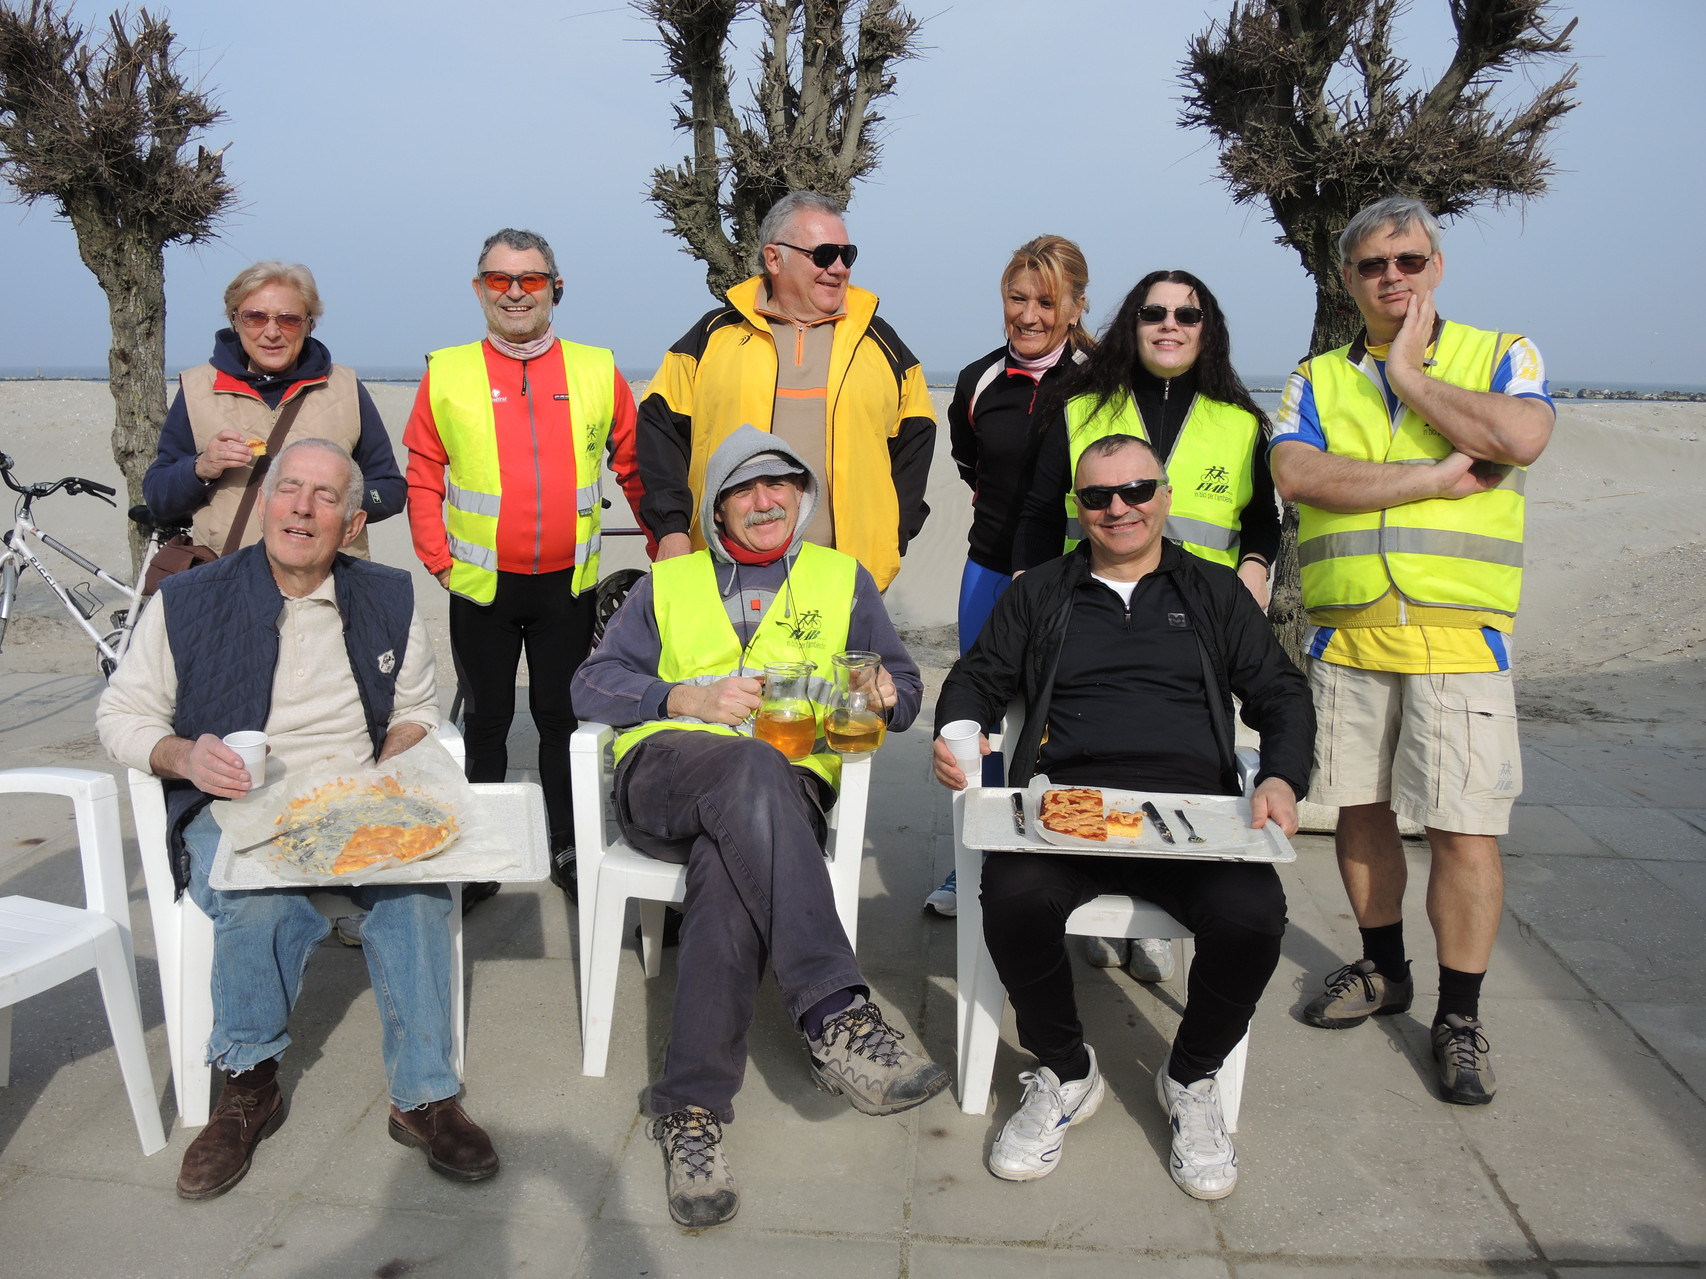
[
  {"x": 521, "y": 241},
  {"x": 352, "y": 489},
  {"x": 775, "y": 224},
  {"x": 1109, "y": 445},
  {"x": 1394, "y": 211},
  {"x": 272, "y": 271}
]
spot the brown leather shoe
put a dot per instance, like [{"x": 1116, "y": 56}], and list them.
[
  {"x": 250, "y": 1109},
  {"x": 456, "y": 1146}
]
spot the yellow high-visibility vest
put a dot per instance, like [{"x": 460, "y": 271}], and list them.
[
  {"x": 1439, "y": 552},
  {"x": 1209, "y": 469},
  {"x": 806, "y": 622},
  {"x": 473, "y": 488}
]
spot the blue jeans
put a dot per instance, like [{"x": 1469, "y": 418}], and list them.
[{"x": 261, "y": 943}]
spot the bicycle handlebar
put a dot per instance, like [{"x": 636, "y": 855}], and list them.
[{"x": 71, "y": 484}]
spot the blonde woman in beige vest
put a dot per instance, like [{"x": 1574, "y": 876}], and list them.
[{"x": 228, "y": 410}]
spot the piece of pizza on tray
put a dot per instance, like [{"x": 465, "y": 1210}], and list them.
[
  {"x": 1079, "y": 811},
  {"x": 350, "y": 825}
]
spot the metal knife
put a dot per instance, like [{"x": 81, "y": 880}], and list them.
[
  {"x": 1154, "y": 815},
  {"x": 262, "y": 843},
  {"x": 1019, "y": 813}
]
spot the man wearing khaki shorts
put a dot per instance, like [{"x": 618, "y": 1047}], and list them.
[{"x": 1404, "y": 452}]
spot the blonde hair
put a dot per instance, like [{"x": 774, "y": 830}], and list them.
[
  {"x": 1060, "y": 265},
  {"x": 253, "y": 277}
]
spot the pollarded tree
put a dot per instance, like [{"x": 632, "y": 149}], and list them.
[
  {"x": 1308, "y": 101},
  {"x": 812, "y": 125},
  {"x": 100, "y": 127}
]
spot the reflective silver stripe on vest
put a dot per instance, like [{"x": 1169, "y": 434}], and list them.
[
  {"x": 479, "y": 556},
  {"x": 1201, "y": 532},
  {"x": 584, "y": 551},
  {"x": 470, "y": 500},
  {"x": 1411, "y": 541},
  {"x": 588, "y": 496}
]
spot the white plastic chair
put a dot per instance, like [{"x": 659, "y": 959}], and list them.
[
  {"x": 183, "y": 940},
  {"x": 43, "y": 944},
  {"x": 610, "y": 872},
  {"x": 980, "y": 997}
]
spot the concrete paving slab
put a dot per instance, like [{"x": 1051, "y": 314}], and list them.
[
  {"x": 734, "y": 1251},
  {"x": 1595, "y": 1144},
  {"x": 1677, "y": 1032},
  {"x": 1687, "y": 879},
  {"x": 1651, "y": 776},
  {"x": 953, "y": 1260},
  {"x": 316, "y": 1238},
  {"x": 1649, "y": 834},
  {"x": 1549, "y": 779},
  {"x": 1394, "y": 1270},
  {"x": 1544, "y": 830},
  {"x": 1622, "y": 931}
]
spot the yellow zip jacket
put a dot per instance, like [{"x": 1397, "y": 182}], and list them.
[{"x": 722, "y": 374}]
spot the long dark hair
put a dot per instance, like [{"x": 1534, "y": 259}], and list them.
[{"x": 1109, "y": 374}]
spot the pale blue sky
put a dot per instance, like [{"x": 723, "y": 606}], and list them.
[{"x": 381, "y": 152}]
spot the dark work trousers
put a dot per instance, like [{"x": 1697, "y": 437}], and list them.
[
  {"x": 542, "y": 612},
  {"x": 1236, "y": 910},
  {"x": 750, "y": 828}
]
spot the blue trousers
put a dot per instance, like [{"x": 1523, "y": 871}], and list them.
[{"x": 261, "y": 944}]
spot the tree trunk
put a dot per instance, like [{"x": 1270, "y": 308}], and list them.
[{"x": 132, "y": 272}]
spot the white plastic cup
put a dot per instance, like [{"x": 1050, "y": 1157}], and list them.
[
  {"x": 961, "y": 736},
  {"x": 252, "y": 746}
]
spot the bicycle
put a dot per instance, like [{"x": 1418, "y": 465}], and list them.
[{"x": 79, "y": 601}]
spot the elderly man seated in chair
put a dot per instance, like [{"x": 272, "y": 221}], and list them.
[
  {"x": 680, "y": 663},
  {"x": 328, "y": 656},
  {"x": 1128, "y": 652}
]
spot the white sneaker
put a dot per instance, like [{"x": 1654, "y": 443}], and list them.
[
  {"x": 1104, "y": 952},
  {"x": 1028, "y": 1145},
  {"x": 1204, "y": 1164},
  {"x": 1151, "y": 959}
]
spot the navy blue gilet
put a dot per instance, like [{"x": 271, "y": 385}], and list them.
[{"x": 222, "y": 624}]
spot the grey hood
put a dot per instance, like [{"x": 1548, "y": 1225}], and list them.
[{"x": 744, "y": 445}]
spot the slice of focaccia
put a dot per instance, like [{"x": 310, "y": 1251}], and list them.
[{"x": 1124, "y": 825}]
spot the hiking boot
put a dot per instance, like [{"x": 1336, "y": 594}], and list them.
[
  {"x": 1355, "y": 993},
  {"x": 1028, "y": 1145},
  {"x": 1203, "y": 1163},
  {"x": 250, "y": 1109},
  {"x": 696, "y": 1175},
  {"x": 945, "y": 901},
  {"x": 1464, "y": 1061},
  {"x": 860, "y": 1056},
  {"x": 1151, "y": 959},
  {"x": 455, "y": 1146},
  {"x": 1105, "y": 952}
]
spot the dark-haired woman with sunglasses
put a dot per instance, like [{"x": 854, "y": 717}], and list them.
[
  {"x": 1163, "y": 371},
  {"x": 225, "y": 413}
]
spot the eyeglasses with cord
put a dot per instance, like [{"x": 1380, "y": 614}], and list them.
[{"x": 503, "y": 281}]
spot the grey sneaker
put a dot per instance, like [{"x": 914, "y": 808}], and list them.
[
  {"x": 945, "y": 901},
  {"x": 1203, "y": 1163},
  {"x": 1151, "y": 959},
  {"x": 860, "y": 1056},
  {"x": 1105, "y": 952},
  {"x": 696, "y": 1175},
  {"x": 1028, "y": 1145},
  {"x": 1355, "y": 993},
  {"x": 1464, "y": 1060},
  {"x": 348, "y": 929}
]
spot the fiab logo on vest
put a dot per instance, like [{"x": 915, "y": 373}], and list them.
[
  {"x": 808, "y": 627},
  {"x": 1216, "y": 483}
]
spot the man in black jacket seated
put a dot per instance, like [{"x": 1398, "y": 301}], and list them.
[{"x": 1128, "y": 652}]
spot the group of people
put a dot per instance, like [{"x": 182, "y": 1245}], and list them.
[{"x": 1124, "y": 526}]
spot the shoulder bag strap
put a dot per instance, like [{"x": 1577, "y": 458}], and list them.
[{"x": 252, "y": 490}]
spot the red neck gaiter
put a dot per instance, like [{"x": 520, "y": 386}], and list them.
[{"x": 740, "y": 555}]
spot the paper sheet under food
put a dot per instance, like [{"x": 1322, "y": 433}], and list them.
[{"x": 481, "y": 849}]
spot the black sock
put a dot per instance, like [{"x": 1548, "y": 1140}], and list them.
[
  {"x": 1459, "y": 993},
  {"x": 1385, "y": 946},
  {"x": 1185, "y": 1070},
  {"x": 1070, "y": 1069},
  {"x": 823, "y": 1010}
]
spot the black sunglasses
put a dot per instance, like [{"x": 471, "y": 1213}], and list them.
[
  {"x": 1099, "y": 497},
  {"x": 1408, "y": 263},
  {"x": 1155, "y": 314},
  {"x": 825, "y": 253}
]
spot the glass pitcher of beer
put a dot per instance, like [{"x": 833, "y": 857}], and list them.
[
  {"x": 857, "y": 717},
  {"x": 786, "y": 718}
]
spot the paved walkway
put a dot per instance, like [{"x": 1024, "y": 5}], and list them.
[{"x": 1592, "y": 1160}]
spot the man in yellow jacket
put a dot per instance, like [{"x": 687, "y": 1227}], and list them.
[
  {"x": 799, "y": 352},
  {"x": 1405, "y": 452}
]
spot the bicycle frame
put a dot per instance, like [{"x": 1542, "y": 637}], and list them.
[{"x": 20, "y": 555}]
